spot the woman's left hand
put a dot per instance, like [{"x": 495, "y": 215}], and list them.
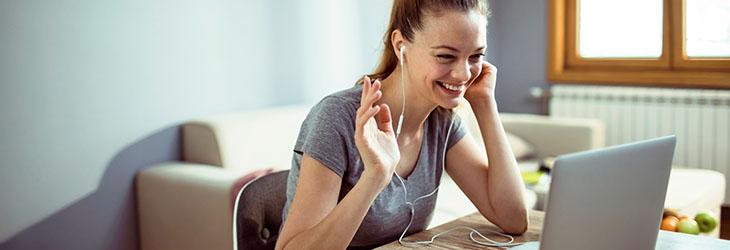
[{"x": 483, "y": 85}]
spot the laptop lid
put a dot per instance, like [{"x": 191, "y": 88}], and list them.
[{"x": 609, "y": 198}]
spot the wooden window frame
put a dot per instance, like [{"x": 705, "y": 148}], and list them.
[{"x": 672, "y": 69}]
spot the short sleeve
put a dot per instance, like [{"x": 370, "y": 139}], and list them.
[
  {"x": 458, "y": 130},
  {"x": 326, "y": 133}
]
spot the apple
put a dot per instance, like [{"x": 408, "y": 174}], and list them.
[
  {"x": 706, "y": 221},
  {"x": 688, "y": 226}
]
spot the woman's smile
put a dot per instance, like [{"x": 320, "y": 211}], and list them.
[{"x": 451, "y": 89}]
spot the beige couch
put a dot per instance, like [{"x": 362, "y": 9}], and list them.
[{"x": 188, "y": 205}]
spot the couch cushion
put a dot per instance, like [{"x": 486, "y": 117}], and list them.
[
  {"x": 520, "y": 147},
  {"x": 693, "y": 190},
  {"x": 246, "y": 140}
]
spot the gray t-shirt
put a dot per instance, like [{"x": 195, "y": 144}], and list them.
[{"x": 327, "y": 135}]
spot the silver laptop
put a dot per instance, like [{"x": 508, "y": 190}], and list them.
[{"x": 609, "y": 198}]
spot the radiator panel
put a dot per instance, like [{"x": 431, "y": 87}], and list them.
[{"x": 699, "y": 118}]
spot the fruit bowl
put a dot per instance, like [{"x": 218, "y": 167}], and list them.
[{"x": 703, "y": 222}]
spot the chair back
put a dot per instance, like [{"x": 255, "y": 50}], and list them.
[{"x": 257, "y": 212}]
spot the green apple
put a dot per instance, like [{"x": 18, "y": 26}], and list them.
[
  {"x": 706, "y": 221},
  {"x": 688, "y": 226}
]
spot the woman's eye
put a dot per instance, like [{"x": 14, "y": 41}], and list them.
[
  {"x": 447, "y": 57},
  {"x": 476, "y": 58}
]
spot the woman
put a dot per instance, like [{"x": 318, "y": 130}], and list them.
[{"x": 341, "y": 191}]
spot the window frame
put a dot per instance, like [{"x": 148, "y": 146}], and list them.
[{"x": 672, "y": 69}]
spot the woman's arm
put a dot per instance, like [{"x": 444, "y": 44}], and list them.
[
  {"x": 494, "y": 184},
  {"x": 315, "y": 220}
]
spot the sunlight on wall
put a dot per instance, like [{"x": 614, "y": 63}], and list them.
[{"x": 82, "y": 79}]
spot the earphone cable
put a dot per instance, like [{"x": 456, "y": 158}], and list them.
[
  {"x": 489, "y": 242},
  {"x": 403, "y": 93}
]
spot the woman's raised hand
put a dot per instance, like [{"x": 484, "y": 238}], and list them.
[
  {"x": 374, "y": 135},
  {"x": 483, "y": 85}
]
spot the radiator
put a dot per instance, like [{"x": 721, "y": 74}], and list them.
[{"x": 699, "y": 118}]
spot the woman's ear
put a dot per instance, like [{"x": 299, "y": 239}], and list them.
[{"x": 398, "y": 41}]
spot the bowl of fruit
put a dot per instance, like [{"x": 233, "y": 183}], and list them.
[{"x": 702, "y": 222}]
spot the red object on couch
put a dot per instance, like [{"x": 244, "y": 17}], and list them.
[{"x": 241, "y": 182}]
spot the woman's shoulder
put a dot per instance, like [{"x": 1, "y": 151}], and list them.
[
  {"x": 338, "y": 107},
  {"x": 350, "y": 95},
  {"x": 343, "y": 101}
]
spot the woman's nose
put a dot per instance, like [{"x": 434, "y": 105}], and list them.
[{"x": 461, "y": 72}]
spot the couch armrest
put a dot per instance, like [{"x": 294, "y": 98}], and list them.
[
  {"x": 185, "y": 206},
  {"x": 553, "y": 136},
  {"x": 550, "y": 136},
  {"x": 246, "y": 140}
]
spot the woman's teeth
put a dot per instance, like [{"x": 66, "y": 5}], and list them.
[{"x": 452, "y": 87}]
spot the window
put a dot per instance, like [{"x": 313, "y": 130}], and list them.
[{"x": 670, "y": 43}]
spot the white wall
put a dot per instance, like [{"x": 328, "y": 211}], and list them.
[{"x": 82, "y": 79}]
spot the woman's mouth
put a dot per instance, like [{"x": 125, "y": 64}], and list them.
[{"x": 451, "y": 88}]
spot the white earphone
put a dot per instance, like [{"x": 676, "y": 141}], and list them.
[
  {"x": 402, "y": 48},
  {"x": 403, "y": 91},
  {"x": 488, "y": 242}
]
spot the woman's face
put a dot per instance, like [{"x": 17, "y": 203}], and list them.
[{"x": 446, "y": 55}]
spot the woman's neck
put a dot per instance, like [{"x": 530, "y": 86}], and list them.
[{"x": 417, "y": 108}]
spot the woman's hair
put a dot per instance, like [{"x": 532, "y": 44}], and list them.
[{"x": 407, "y": 16}]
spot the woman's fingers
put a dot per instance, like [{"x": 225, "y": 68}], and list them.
[
  {"x": 385, "y": 123},
  {"x": 373, "y": 111},
  {"x": 374, "y": 97},
  {"x": 363, "y": 108},
  {"x": 370, "y": 94},
  {"x": 482, "y": 71},
  {"x": 365, "y": 87},
  {"x": 490, "y": 66},
  {"x": 374, "y": 94},
  {"x": 366, "y": 116}
]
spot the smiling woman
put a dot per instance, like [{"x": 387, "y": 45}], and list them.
[{"x": 341, "y": 191}]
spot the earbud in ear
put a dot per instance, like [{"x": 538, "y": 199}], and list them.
[
  {"x": 402, "y": 49},
  {"x": 403, "y": 86}
]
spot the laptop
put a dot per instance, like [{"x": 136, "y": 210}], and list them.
[{"x": 609, "y": 198}]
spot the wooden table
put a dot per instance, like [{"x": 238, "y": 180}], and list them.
[{"x": 459, "y": 239}]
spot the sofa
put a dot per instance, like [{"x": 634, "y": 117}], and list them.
[{"x": 189, "y": 204}]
